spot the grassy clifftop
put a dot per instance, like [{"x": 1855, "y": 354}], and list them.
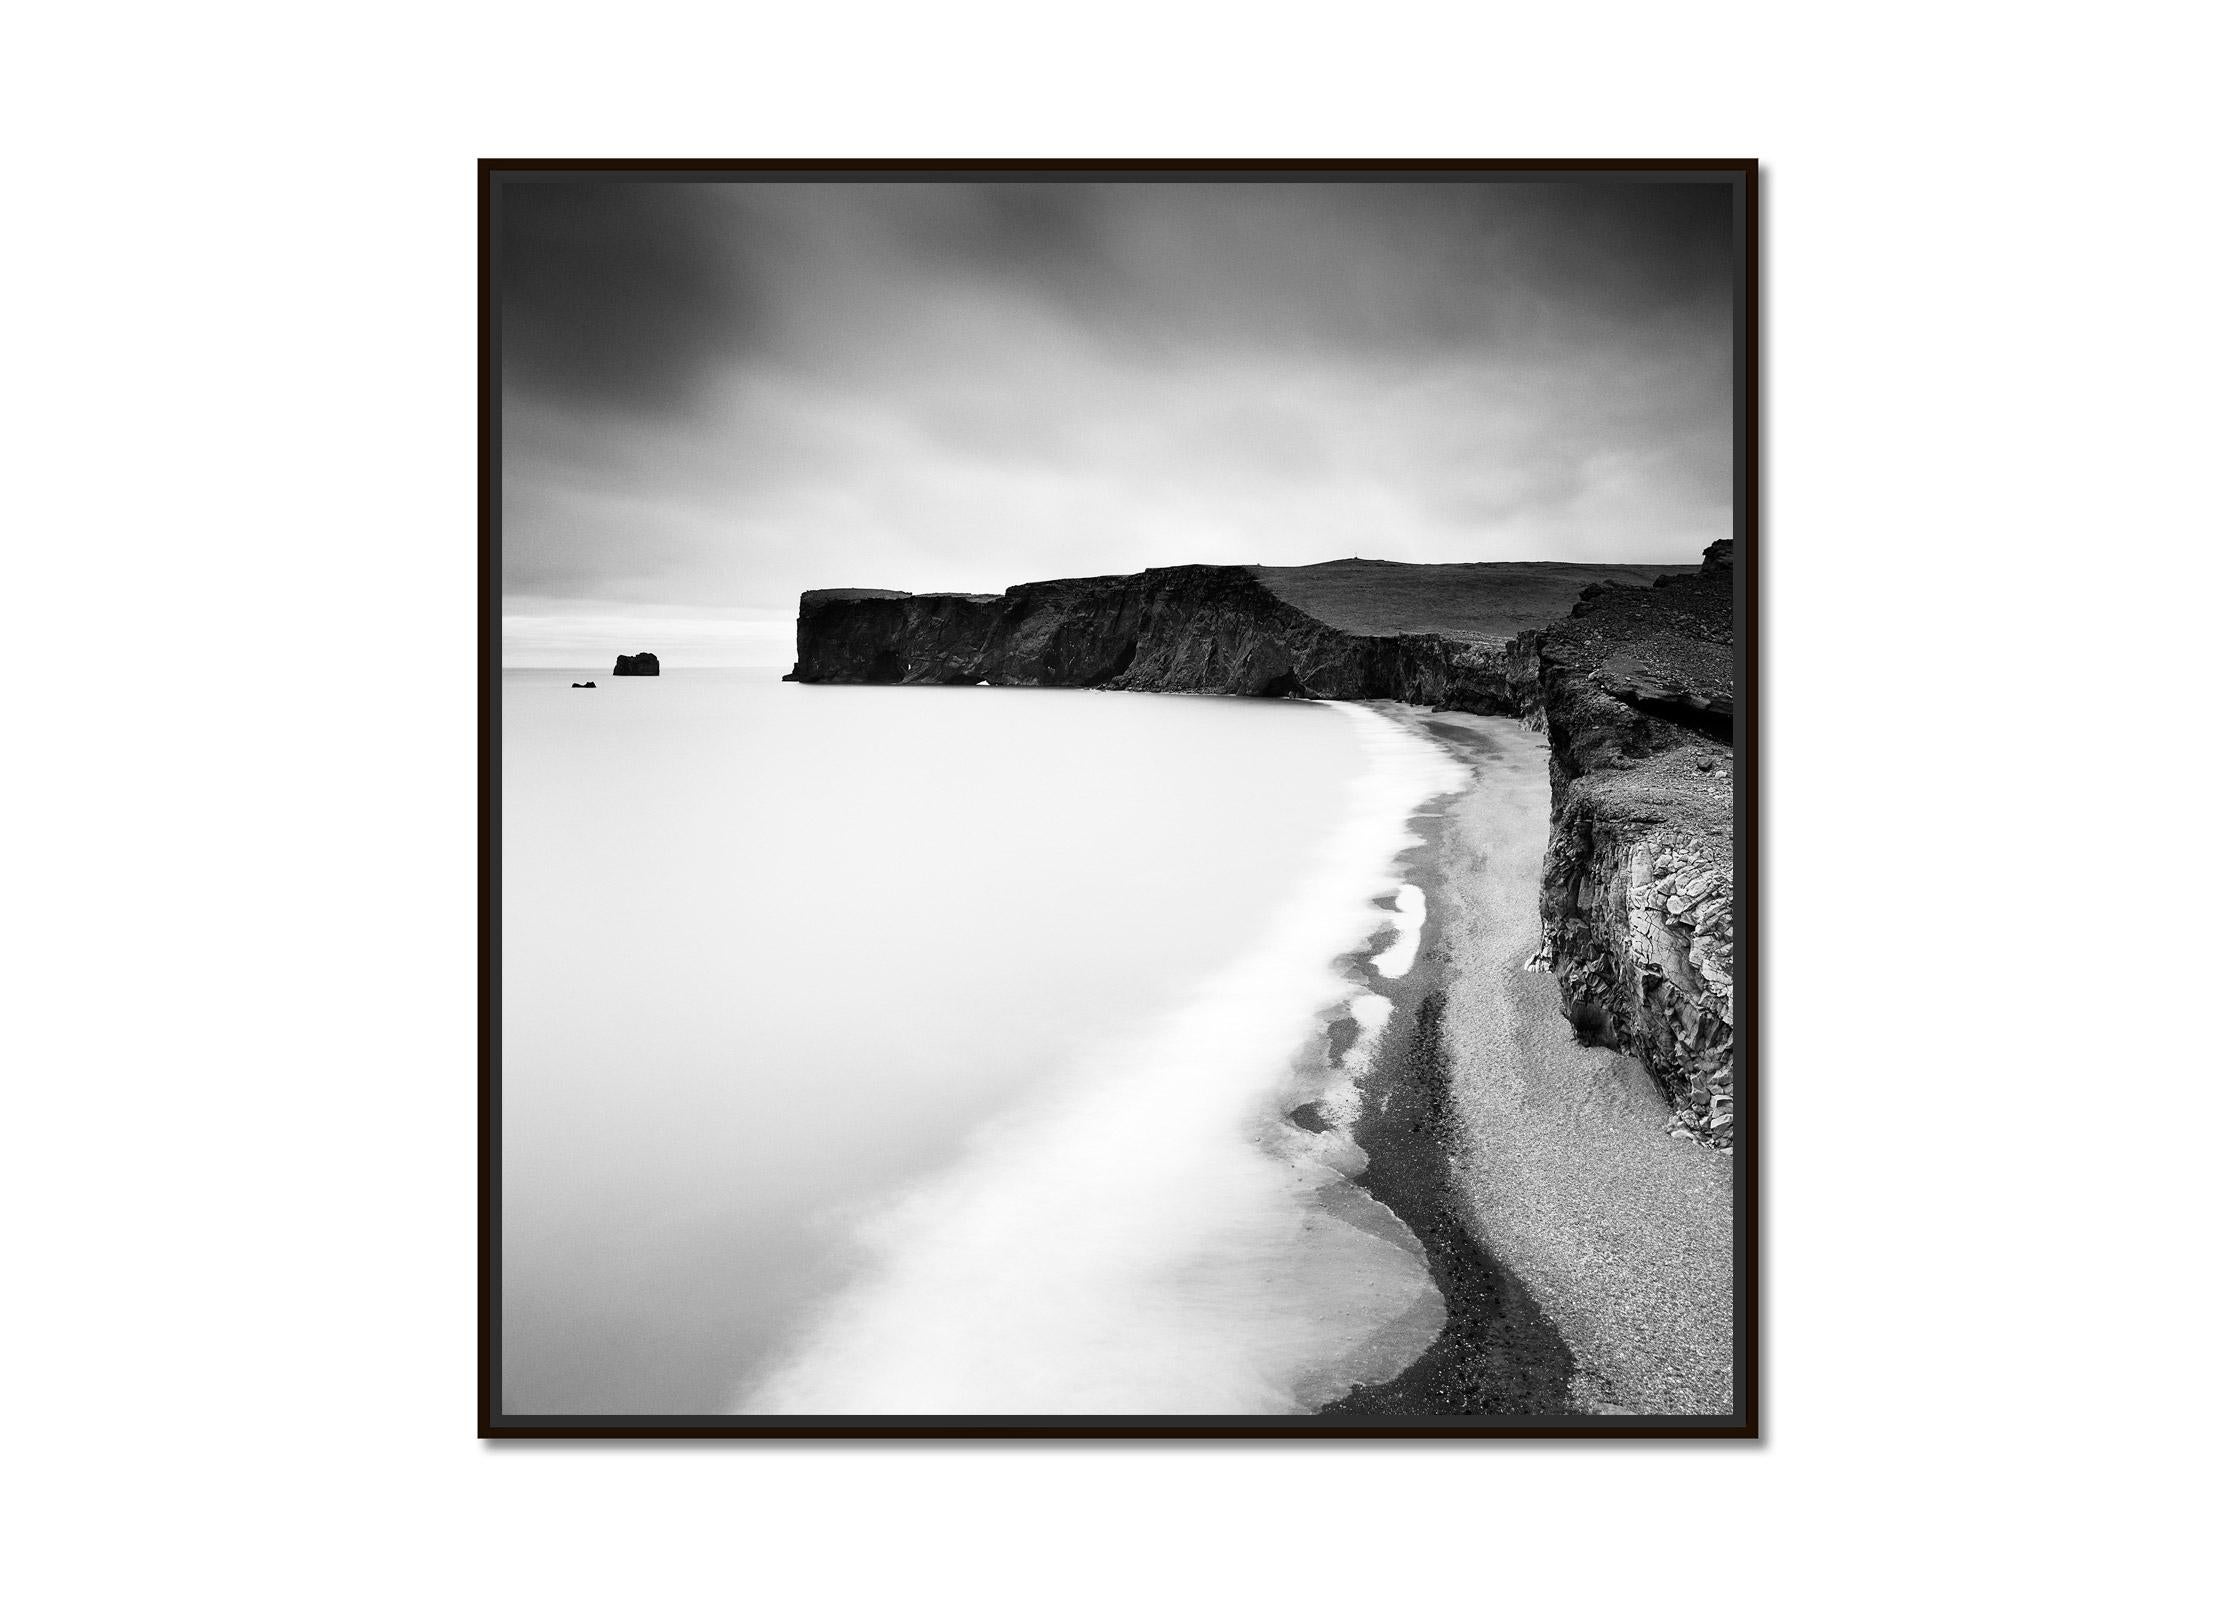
[{"x": 1481, "y": 601}]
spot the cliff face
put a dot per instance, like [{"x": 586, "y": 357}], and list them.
[
  {"x": 1635, "y": 687},
  {"x": 1177, "y": 630},
  {"x": 1637, "y": 893}
]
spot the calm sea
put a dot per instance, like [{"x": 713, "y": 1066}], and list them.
[{"x": 928, "y": 1050}]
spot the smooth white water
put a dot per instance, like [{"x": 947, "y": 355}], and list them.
[{"x": 900, "y": 1050}]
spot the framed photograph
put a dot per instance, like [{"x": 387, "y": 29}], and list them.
[{"x": 1119, "y": 799}]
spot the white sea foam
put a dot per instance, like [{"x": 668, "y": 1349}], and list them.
[
  {"x": 1144, "y": 1240},
  {"x": 1370, "y": 1012},
  {"x": 1340, "y": 1093},
  {"x": 1395, "y": 960}
]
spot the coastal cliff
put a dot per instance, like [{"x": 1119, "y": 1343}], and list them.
[
  {"x": 1173, "y": 630},
  {"x": 1637, "y": 892},
  {"x": 1630, "y": 670}
]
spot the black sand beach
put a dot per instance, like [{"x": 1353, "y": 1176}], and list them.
[{"x": 1497, "y": 1354}]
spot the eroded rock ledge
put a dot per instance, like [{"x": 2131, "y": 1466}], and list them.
[{"x": 1634, "y": 685}]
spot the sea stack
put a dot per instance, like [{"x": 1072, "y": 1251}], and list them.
[{"x": 643, "y": 665}]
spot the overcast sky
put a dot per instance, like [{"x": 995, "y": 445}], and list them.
[{"x": 717, "y": 395}]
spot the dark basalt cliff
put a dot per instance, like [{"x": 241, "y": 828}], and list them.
[
  {"x": 1637, "y": 893},
  {"x": 645, "y": 664},
  {"x": 1176, "y": 630},
  {"x": 1635, "y": 687}
]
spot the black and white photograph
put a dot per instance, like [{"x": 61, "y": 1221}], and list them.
[
  {"x": 1200, "y": 800},
  {"x": 1117, "y": 799}
]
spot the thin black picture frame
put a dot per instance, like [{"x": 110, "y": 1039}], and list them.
[{"x": 1749, "y": 1148}]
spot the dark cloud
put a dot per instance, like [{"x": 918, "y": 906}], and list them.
[
  {"x": 621, "y": 293},
  {"x": 1629, "y": 247},
  {"x": 718, "y": 394},
  {"x": 1051, "y": 234}
]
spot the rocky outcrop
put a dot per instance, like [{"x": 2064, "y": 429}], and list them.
[
  {"x": 1176, "y": 630},
  {"x": 1637, "y": 893},
  {"x": 645, "y": 664}
]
